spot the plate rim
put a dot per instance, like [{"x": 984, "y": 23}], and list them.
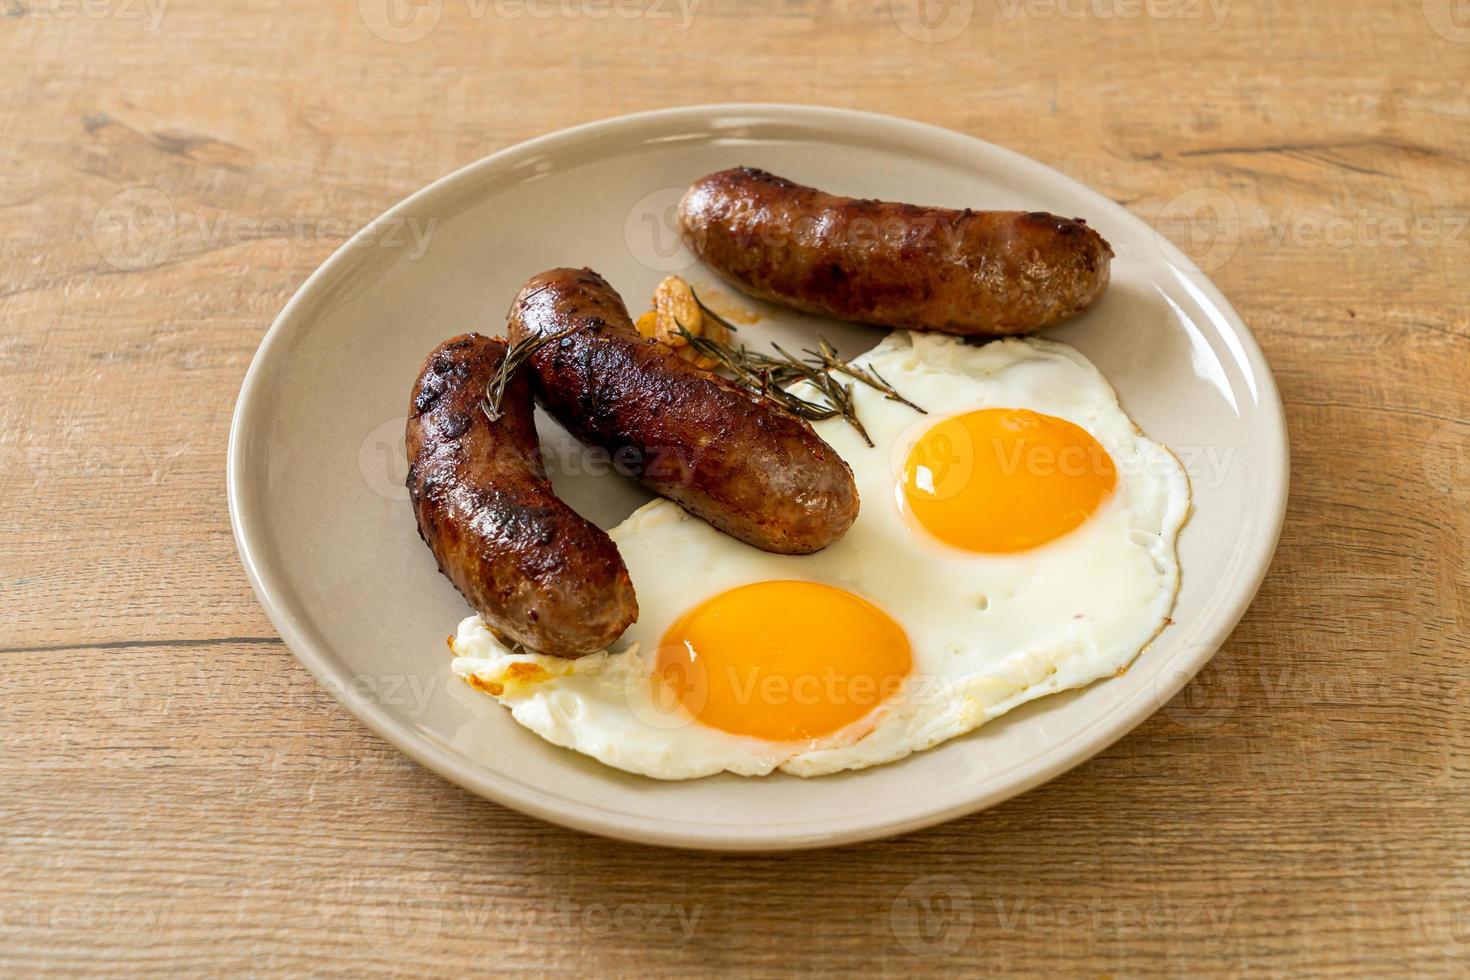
[{"x": 592, "y": 819}]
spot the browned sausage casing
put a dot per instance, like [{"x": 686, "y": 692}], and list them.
[
  {"x": 538, "y": 572},
  {"x": 720, "y": 452},
  {"x": 977, "y": 273}
]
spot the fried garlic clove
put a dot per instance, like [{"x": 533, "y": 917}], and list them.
[{"x": 675, "y": 306}]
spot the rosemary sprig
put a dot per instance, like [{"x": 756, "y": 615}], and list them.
[
  {"x": 517, "y": 355},
  {"x": 763, "y": 375},
  {"x": 771, "y": 375}
]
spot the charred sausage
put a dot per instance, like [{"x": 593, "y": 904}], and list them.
[
  {"x": 722, "y": 453},
  {"x": 976, "y": 273},
  {"x": 538, "y": 572}
]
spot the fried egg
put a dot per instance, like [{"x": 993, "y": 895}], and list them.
[{"x": 1016, "y": 538}]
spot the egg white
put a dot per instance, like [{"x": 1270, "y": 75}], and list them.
[{"x": 988, "y": 632}]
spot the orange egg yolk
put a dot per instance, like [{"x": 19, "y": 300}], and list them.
[
  {"x": 782, "y": 660},
  {"x": 1002, "y": 480}
]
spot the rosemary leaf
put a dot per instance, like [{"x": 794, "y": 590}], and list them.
[
  {"x": 868, "y": 376},
  {"x": 711, "y": 313},
  {"x": 518, "y": 354}
]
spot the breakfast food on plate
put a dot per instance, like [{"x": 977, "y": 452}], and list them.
[
  {"x": 538, "y": 572},
  {"x": 1019, "y": 534},
  {"x": 1017, "y": 540},
  {"x": 979, "y": 273},
  {"x": 723, "y": 453}
]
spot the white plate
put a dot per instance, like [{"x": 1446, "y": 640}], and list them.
[{"x": 324, "y": 528}]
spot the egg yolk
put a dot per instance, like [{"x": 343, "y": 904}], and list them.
[
  {"x": 782, "y": 660},
  {"x": 1002, "y": 480}
]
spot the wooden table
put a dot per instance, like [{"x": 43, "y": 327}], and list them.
[{"x": 176, "y": 793}]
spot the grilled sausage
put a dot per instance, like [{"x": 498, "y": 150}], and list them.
[
  {"x": 538, "y": 572},
  {"x": 722, "y": 453},
  {"x": 976, "y": 273}
]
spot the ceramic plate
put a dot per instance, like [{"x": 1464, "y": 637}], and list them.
[{"x": 316, "y": 462}]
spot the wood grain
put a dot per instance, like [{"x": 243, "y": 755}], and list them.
[{"x": 177, "y": 794}]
